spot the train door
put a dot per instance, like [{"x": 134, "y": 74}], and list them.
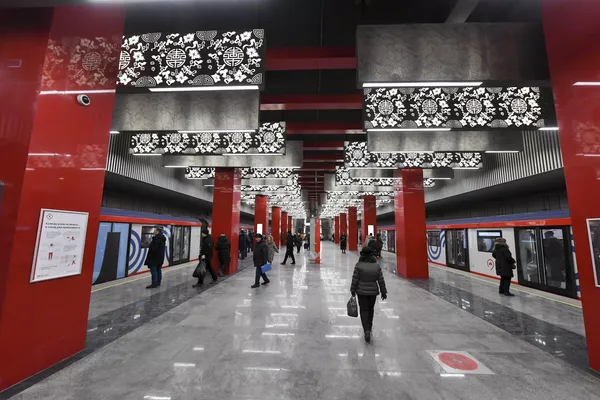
[
  {"x": 392, "y": 241},
  {"x": 544, "y": 260},
  {"x": 457, "y": 249},
  {"x": 180, "y": 251}
]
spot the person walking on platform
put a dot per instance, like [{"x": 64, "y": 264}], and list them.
[
  {"x": 206, "y": 255},
  {"x": 298, "y": 242},
  {"x": 156, "y": 257},
  {"x": 372, "y": 243},
  {"x": 343, "y": 243},
  {"x": 243, "y": 243},
  {"x": 379, "y": 243},
  {"x": 367, "y": 283},
  {"x": 289, "y": 250},
  {"x": 223, "y": 252},
  {"x": 272, "y": 248},
  {"x": 260, "y": 258},
  {"x": 505, "y": 263}
]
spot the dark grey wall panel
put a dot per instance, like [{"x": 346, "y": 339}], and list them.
[
  {"x": 173, "y": 111},
  {"x": 541, "y": 154},
  {"x": 540, "y": 157},
  {"x": 386, "y": 142},
  {"x": 501, "y": 52},
  {"x": 149, "y": 169}
]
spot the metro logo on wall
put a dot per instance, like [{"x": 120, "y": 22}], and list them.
[{"x": 202, "y": 58}]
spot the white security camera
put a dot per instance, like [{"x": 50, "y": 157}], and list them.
[{"x": 83, "y": 99}]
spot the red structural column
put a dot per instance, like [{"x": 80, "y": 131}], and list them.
[
  {"x": 291, "y": 223},
  {"x": 336, "y": 230},
  {"x": 573, "y": 46},
  {"x": 411, "y": 231},
  {"x": 261, "y": 216},
  {"x": 226, "y": 212},
  {"x": 352, "y": 229},
  {"x": 344, "y": 225},
  {"x": 284, "y": 227},
  {"x": 53, "y": 153},
  {"x": 369, "y": 216},
  {"x": 276, "y": 225}
]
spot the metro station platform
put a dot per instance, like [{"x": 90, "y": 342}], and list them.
[{"x": 451, "y": 337}]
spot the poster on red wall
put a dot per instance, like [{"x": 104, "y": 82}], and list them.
[{"x": 59, "y": 245}]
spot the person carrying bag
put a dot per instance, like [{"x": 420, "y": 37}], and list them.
[
  {"x": 261, "y": 261},
  {"x": 367, "y": 283}
]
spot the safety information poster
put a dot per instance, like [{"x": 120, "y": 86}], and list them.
[{"x": 60, "y": 244}]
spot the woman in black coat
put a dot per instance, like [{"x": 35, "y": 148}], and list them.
[
  {"x": 223, "y": 252},
  {"x": 367, "y": 283},
  {"x": 343, "y": 242},
  {"x": 505, "y": 264}
]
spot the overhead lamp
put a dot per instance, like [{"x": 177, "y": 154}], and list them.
[
  {"x": 408, "y": 129},
  {"x": 203, "y": 88},
  {"x": 114, "y": 132},
  {"x": 251, "y": 154},
  {"x": 96, "y": 91},
  {"x": 586, "y": 84},
  {"x": 174, "y": 166},
  {"x": 221, "y": 131},
  {"x": 549, "y": 128},
  {"x": 420, "y": 84}
]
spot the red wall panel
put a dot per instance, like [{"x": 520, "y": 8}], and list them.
[{"x": 55, "y": 151}]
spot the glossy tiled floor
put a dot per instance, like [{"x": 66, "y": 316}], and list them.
[{"x": 293, "y": 340}]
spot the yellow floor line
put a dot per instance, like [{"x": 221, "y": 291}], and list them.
[
  {"x": 513, "y": 288},
  {"x": 145, "y": 276}
]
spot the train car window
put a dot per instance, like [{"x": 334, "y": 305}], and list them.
[
  {"x": 147, "y": 233},
  {"x": 433, "y": 238},
  {"x": 486, "y": 239}
]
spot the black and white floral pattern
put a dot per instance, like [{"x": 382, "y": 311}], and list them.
[
  {"x": 460, "y": 108},
  {"x": 270, "y": 139},
  {"x": 202, "y": 58},
  {"x": 331, "y": 195},
  {"x": 408, "y": 160},
  {"x": 264, "y": 173},
  {"x": 199, "y": 173}
]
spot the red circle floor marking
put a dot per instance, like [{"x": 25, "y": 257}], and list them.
[{"x": 458, "y": 361}]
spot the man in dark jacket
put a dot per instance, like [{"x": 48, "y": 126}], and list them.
[
  {"x": 298, "y": 241},
  {"x": 206, "y": 255},
  {"x": 260, "y": 258},
  {"x": 379, "y": 243},
  {"x": 223, "y": 252},
  {"x": 289, "y": 251},
  {"x": 505, "y": 264},
  {"x": 243, "y": 245},
  {"x": 367, "y": 283},
  {"x": 156, "y": 256}
]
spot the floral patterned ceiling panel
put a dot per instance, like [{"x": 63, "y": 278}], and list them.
[
  {"x": 270, "y": 139},
  {"x": 458, "y": 108},
  {"x": 356, "y": 194},
  {"x": 356, "y": 155},
  {"x": 245, "y": 173},
  {"x": 202, "y": 58},
  {"x": 344, "y": 178},
  {"x": 199, "y": 173}
]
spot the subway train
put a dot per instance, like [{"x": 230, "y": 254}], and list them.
[
  {"x": 124, "y": 237},
  {"x": 541, "y": 243}
]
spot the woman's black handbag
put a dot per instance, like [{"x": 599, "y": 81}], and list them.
[
  {"x": 352, "y": 307},
  {"x": 200, "y": 270}
]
